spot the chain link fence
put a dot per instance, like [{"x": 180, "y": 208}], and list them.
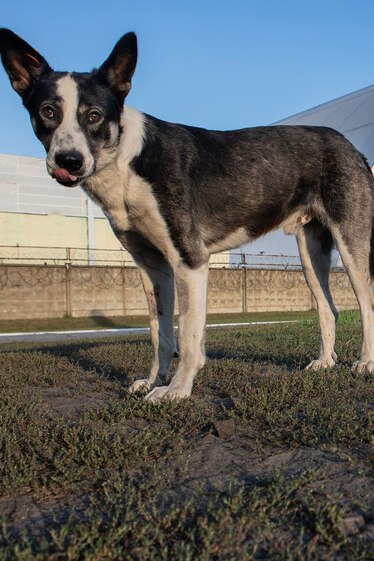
[{"x": 38, "y": 255}]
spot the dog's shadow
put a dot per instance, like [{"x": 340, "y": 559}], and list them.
[
  {"x": 289, "y": 360},
  {"x": 79, "y": 354}
]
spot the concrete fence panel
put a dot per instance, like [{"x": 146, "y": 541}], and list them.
[
  {"x": 270, "y": 290},
  {"x": 32, "y": 292},
  {"x": 37, "y": 291}
]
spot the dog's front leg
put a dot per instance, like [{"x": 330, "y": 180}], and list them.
[
  {"x": 158, "y": 283},
  {"x": 192, "y": 299}
]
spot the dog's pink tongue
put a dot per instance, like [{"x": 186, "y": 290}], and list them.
[{"x": 63, "y": 175}]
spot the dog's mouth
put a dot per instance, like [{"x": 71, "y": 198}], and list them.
[{"x": 65, "y": 178}]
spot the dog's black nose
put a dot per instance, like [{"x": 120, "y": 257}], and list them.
[{"x": 71, "y": 161}]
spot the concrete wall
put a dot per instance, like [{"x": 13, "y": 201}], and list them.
[
  {"x": 39, "y": 239},
  {"x": 41, "y": 230},
  {"x": 56, "y": 291}
]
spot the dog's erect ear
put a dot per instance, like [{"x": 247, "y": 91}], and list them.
[
  {"x": 23, "y": 64},
  {"x": 119, "y": 67}
]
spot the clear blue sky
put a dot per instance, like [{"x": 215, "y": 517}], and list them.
[{"x": 212, "y": 63}]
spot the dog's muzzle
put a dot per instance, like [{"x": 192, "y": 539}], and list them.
[{"x": 69, "y": 168}]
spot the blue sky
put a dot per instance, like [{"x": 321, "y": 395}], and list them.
[{"x": 216, "y": 64}]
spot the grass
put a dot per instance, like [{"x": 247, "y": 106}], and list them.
[
  {"x": 103, "y": 322},
  {"x": 90, "y": 472}
]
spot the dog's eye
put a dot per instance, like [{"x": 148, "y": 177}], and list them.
[
  {"x": 48, "y": 112},
  {"x": 94, "y": 116}
]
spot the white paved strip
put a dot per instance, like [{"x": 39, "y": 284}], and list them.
[{"x": 46, "y": 336}]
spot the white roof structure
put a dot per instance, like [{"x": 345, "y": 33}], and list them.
[{"x": 353, "y": 116}]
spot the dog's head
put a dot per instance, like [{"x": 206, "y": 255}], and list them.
[{"x": 75, "y": 115}]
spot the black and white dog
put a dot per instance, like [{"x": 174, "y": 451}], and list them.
[{"x": 175, "y": 194}]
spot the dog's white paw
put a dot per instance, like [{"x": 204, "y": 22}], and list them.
[
  {"x": 139, "y": 385},
  {"x": 363, "y": 365},
  {"x": 167, "y": 392},
  {"x": 320, "y": 364}
]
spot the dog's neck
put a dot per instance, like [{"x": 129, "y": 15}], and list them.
[
  {"x": 116, "y": 161},
  {"x": 132, "y": 135},
  {"x": 115, "y": 187}
]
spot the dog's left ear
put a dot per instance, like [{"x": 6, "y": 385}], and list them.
[
  {"x": 119, "y": 67},
  {"x": 23, "y": 64}
]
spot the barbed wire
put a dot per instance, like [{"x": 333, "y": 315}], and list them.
[
  {"x": 105, "y": 277},
  {"x": 17, "y": 277},
  {"x": 225, "y": 279},
  {"x": 286, "y": 280}
]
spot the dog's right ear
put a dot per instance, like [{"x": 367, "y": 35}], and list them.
[
  {"x": 23, "y": 64},
  {"x": 119, "y": 67}
]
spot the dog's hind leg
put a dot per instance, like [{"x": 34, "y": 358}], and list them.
[
  {"x": 355, "y": 249},
  {"x": 315, "y": 244},
  {"x": 192, "y": 299}
]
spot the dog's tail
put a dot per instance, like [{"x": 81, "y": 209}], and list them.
[{"x": 371, "y": 257}]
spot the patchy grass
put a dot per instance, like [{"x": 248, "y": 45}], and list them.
[{"x": 90, "y": 472}]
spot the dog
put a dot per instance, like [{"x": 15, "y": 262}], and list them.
[{"x": 176, "y": 194}]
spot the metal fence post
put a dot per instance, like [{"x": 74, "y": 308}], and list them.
[
  {"x": 124, "y": 299},
  {"x": 68, "y": 284},
  {"x": 244, "y": 283}
]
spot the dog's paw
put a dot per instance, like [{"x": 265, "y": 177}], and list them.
[
  {"x": 139, "y": 385},
  {"x": 320, "y": 364},
  {"x": 167, "y": 392},
  {"x": 363, "y": 366}
]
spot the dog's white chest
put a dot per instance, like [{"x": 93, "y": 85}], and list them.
[
  {"x": 120, "y": 196},
  {"x": 129, "y": 203}
]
